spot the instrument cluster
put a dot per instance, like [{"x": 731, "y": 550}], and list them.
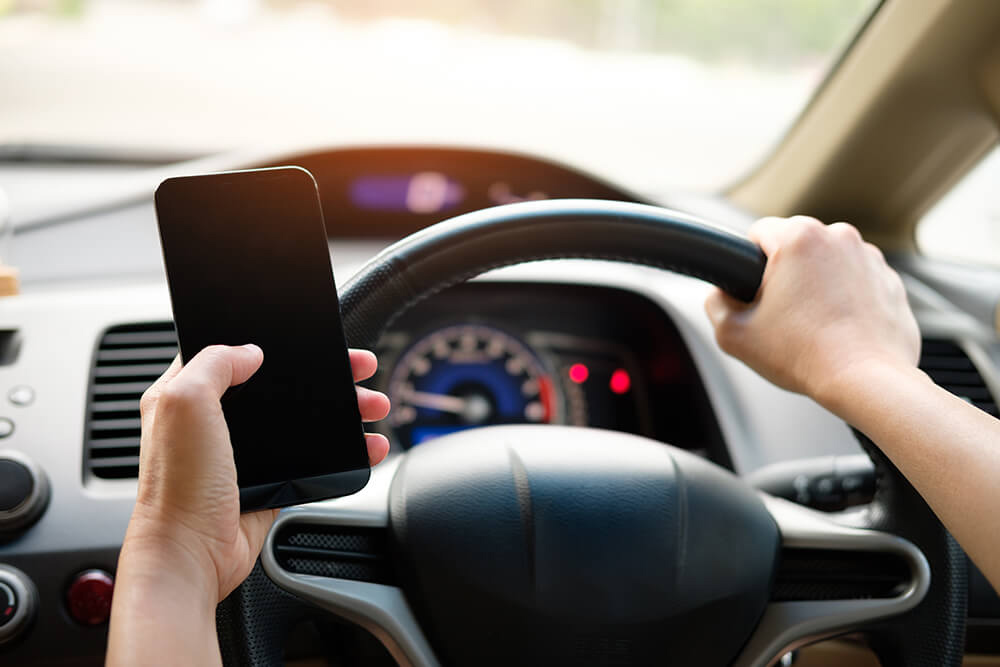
[{"x": 486, "y": 353}]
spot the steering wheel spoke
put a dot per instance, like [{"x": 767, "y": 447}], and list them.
[
  {"x": 819, "y": 597},
  {"x": 380, "y": 608}
]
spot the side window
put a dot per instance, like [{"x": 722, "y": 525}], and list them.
[{"x": 965, "y": 225}]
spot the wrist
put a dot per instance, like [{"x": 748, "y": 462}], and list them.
[
  {"x": 848, "y": 392},
  {"x": 155, "y": 556}
]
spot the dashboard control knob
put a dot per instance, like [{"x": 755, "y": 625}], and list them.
[
  {"x": 24, "y": 491},
  {"x": 8, "y": 604},
  {"x": 18, "y": 603},
  {"x": 89, "y": 597}
]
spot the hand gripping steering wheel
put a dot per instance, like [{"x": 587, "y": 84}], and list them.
[{"x": 549, "y": 545}]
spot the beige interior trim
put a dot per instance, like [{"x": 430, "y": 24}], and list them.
[
  {"x": 913, "y": 105},
  {"x": 848, "y": 653}
]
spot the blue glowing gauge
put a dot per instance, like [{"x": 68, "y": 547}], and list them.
[{"x": 466, "y": 376}]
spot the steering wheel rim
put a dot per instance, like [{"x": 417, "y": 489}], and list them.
[{"x": 254, "y": 620}]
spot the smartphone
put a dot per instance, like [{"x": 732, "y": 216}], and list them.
[{"x": 247, "y": 261}]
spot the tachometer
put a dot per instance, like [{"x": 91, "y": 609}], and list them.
[{"x": 466, "y": 376}]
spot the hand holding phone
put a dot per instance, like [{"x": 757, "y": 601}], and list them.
[{"x": 247, "y": 261}]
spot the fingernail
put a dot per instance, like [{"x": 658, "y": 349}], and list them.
[{"x": 252, "y": 348}]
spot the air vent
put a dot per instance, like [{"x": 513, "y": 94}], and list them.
[
  {"x": 951, "y": 368},
  {"x": 340, "y": 552},
  {"x": 829, "y": 574},
  {"x": 129, "y": 359}
]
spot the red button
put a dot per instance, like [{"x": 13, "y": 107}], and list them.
[{"x": 89, "y": 597}]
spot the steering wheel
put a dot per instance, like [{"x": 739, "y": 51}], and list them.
[{"x": 549, "y": 545}]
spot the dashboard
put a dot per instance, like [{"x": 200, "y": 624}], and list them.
[
  {"x": 600, "y": 344},
  {"x": 393, "y": 191}
]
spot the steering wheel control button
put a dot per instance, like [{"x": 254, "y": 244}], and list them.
[
  {"x": 88, "y": 599},
  {"x": 18, "y": 603},
  {"x": 8, "y": 604},
  {"x": 21, "y": 395},
  {"x": 24, "y": 491},
  {"x": 6, "y": 427}
]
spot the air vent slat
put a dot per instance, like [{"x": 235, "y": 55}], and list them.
[
  {"x": 120, "y": 388},
  {"x": 134, "y": 370},
  {"x": 116, "y": 462},
  {"x": 136, "y": 354},
  {"x": 947, "y": 364},
  {"x": 938, "y": 363},
  {"x": 138, "y": 339},
  {"x": 115, "y": 424},
  {"x": 114, "y": 406},
  {"x": 129, "y": 358},
  {"x": 956, "y": 379},
  {"x": 112, "y": 443}
]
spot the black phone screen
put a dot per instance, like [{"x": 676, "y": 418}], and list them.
[{"x": 248, "y": 262}]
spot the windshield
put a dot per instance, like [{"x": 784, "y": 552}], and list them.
[
  {"x": 657, "y": 93},
  {"x": 964, "y": 226}
]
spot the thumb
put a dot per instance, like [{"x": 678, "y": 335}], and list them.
[{"x": 220, "y": 367}]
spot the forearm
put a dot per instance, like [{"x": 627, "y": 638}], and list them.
[
  {"x": 159, "y": 614},
  {"x": 948, "y": 449}
]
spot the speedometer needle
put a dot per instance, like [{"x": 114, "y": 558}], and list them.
[
  {"x": 442, "y": 402},
  {"x": 474, "y": 409}
]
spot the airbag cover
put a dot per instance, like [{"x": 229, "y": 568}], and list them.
[{"x": 545, "y": 545}]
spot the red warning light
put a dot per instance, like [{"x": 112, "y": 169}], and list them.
[
  {"x": 620, "y": 381},
  {"x": 579, "y": 373}
]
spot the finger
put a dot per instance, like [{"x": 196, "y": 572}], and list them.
[
  {"x": 364, "y": 363},
  {"x": 374, "y": 405},
  {"x": 767, "y": 233},
  {"x": 154, "y": 390},
  {"x": 876, "y": 253},
  {"x": 771, "y": 232},
  {"x": 378, "y": 447},
  {"x": 219, "y": 367}
]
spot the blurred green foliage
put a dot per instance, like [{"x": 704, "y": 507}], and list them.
[
  {"x": 757, "y": 30},
  {"x": 62, "y": 8}
]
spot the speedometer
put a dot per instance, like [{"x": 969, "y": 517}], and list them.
[{"x": 466, "y": 376}]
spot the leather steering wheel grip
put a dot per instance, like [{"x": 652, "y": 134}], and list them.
[
  {"x": 453, "y": 251},
  {"x": 254, "y": 620}
]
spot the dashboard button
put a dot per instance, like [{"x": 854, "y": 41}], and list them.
[
  {"x": 21, "y": 395},
  {"x": 18, "y": 603},
  {"x": 24, "y": 491},
  {"x": 16, "y": 484},
  {"x": 8, "y": 604},
  {"x": 6, "y": 427},
  {"x": 89, "y": 597}
]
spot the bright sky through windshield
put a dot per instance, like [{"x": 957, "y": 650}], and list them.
[{"x": 654, "y": 93}]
